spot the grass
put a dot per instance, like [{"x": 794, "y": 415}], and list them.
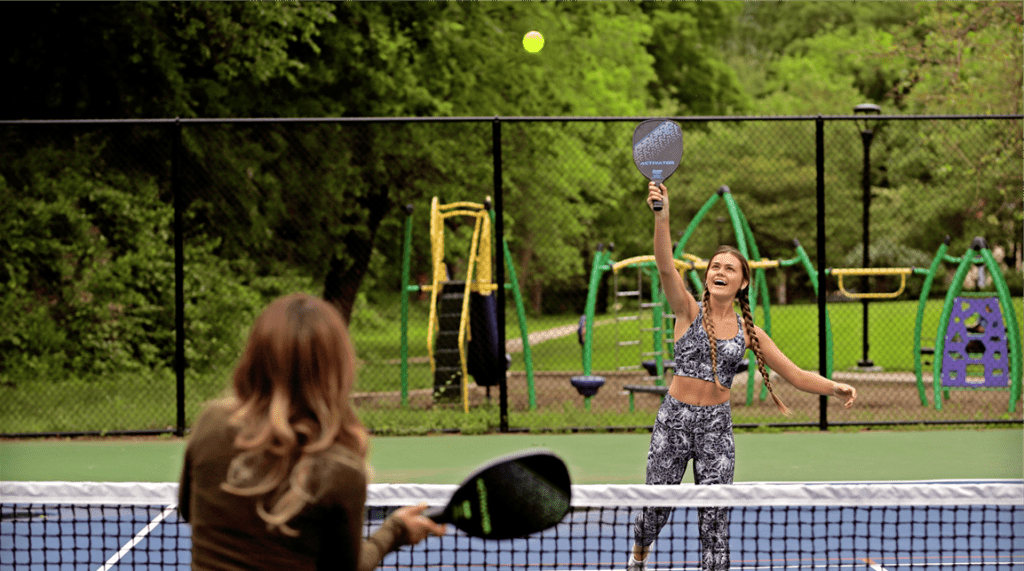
[
  {"x": 571, "y": 416},
  {"x": 118, "y": 402},
  {"x": 794, "y": 329},
  {"x": 129, "y": 400}
]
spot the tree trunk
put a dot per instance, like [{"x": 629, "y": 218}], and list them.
[{"x": 346, "y": 273}]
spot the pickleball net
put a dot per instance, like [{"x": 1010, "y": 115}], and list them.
[{"x": 877, "y": 526}]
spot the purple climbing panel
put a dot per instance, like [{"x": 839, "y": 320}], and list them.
[{"x": 975, "y": 353}]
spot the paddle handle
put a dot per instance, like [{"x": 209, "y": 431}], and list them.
[
  {"x": 656, "y": 205},
  {"x": 436, "y": 513}
]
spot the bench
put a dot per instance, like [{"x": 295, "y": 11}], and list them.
[
  {"x": 653, "y": 389},
  {"x": 662, "y": 390},
  {"x": 652, "y": 371}
]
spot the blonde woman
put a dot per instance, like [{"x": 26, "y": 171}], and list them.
[
  {"x": 694, "y": 421},
  {"x": 275, "y": 476}
]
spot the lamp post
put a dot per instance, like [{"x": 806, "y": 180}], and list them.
[{"x": 866, "y": 124}]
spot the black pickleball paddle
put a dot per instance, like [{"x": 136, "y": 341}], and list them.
[{"x": 512, "y": 496}]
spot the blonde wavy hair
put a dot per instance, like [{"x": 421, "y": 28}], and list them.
[
  {"x": 292, "y": 391},
  {"x": 748, "y": 321}
]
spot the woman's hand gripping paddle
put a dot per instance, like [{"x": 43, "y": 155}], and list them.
[
  {"x": 509, "y": 497},
  {"x": 657, "y": 150}
]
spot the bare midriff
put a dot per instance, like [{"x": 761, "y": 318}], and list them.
[{"x": 697, "y": 392}]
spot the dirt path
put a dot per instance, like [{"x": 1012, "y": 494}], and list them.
[{"x": 515, "y": 345}]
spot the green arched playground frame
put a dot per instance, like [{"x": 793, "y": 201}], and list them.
[{"x": 979, "y": 254}]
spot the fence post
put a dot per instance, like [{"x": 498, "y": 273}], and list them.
[
  {"x": 819, "y": 146},
  {"x": 179, "y": 275},
  {"x": 499, "y": 270}
]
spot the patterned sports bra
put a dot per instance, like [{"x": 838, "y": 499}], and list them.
[{"x": 693, "y": 353}]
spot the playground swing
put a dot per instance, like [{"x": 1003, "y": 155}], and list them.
[
  {"x": 587, "y": 384},
  {"x": 661, "y": 317},
  {"x": 462, "y": 330},
  {"x": 977, "y": 343}
]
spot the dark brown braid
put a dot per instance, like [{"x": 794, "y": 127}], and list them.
[
  {"x": 755, "y": 345},
  {"x": 709, "y": 328}
]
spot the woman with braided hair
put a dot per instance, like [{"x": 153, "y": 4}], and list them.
[{"x": 694, "y": 421}]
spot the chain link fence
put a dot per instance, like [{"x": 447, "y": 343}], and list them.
[{"x": 138, "y": 253}]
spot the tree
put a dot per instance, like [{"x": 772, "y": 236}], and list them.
[
  {"x": 916, "y": 58},
  {"x": 959, "y": 58},
  {"x": 370, "y": 60},
  {"x": 687, "y": 46},
  {"x": 432, "y": 60},
  {"x": 84, "y": 60},
  {"x": 963, "y": 59}
]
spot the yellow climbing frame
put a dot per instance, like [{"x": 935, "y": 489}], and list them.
[{"x": 479, "y": 260}]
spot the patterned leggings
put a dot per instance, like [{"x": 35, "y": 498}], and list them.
[{"x": 704, "y": 434}]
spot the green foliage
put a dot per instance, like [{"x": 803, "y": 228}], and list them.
[
  {"x": 802, "y": 57},
  {"x": 481, "y": 419},
  {"x": 88, "y": 288},
  {"x": 155, "y": 59},
  {"x": 818, "y": 75},
  {"x": 959, "y": 58},
  {"x": 427, "y": 60},
  {"x": 1015, "y": 284},
  {"x": 251, "y": 39},
  {"x": 687, "y": 48},
  {"x": 775, "y": 28},
  {"x": 922, "y": 57},
  {"x": 927, "y": 58},
  {"x": 86, "y": 285},
  {"x": 89, "y": 284},
  {"x": 972, "y": 164}
]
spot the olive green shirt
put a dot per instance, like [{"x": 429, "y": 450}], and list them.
[{"x": 227, "y": 533}]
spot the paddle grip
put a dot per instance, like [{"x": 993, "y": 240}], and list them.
[
  {"x": 435, "y": 513},
  {"x": 656, "y": 204}
]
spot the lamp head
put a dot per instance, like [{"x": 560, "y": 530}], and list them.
[{"x": 867, "y": 110}]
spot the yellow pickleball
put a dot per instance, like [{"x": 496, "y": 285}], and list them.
[{"x": 533, "y": 42}]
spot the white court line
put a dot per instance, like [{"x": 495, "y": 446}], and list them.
[{"x": 138, "y": 537}]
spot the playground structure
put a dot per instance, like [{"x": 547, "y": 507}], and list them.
[
  {"x": 977, "y": 332},
  {"x": 977, "y": 343},
  {"x": 661, "y": 320},
  {"x": 462, "y": 331}
]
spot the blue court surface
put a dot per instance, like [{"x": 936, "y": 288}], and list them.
[
  {"x": 872, "y": 537},
  {"x": 52, "y": 537}
]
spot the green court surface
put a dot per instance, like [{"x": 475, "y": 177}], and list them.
[{"x": 592, "y": 458}]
